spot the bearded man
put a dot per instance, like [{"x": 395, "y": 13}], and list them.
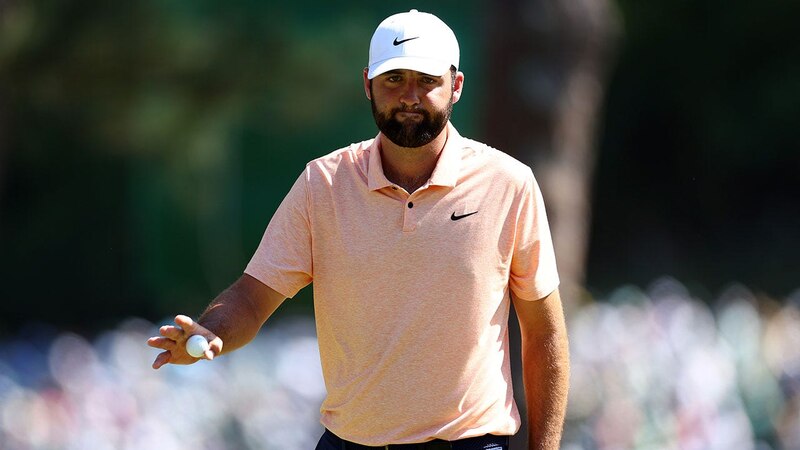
[{"x": 417, "y": 243}]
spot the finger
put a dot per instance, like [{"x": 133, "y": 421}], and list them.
[
  {"x": 161, "y": 359},
  {"x": 171, "y": 332},
  {"x": 186, "y": 323},
  {"x": 161, "y": 342},
  {"x": 190, "y": 327}
]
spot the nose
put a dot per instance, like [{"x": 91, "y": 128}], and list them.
[{"x": 410, "y": 94}]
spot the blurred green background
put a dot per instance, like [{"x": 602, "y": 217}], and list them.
[{"x": 145, "y": 145}]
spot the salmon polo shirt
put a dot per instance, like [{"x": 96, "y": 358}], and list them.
[{"x": 411, "y": 290}]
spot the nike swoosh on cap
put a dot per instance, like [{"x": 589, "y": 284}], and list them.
[{"x": 396, "y": 42}]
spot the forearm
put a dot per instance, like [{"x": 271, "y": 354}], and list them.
[
  {"x": 546, "y": 379},
  {"x": 545, "y": 368},
  {"x": 237, "y": 314}
]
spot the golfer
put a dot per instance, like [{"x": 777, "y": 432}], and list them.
[{"x": 417, "y": 243}]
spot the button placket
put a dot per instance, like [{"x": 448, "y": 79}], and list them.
[{"x": 409, "y": 215}]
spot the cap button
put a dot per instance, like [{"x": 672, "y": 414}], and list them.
[{"x": 413, "y": 10}]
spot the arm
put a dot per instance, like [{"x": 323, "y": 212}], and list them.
[
  {"x": 234, "y": 317},
  {"x": 545, "y": 368}
]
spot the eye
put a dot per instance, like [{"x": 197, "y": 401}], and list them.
[
  {"x": 393, "y": 78},
  {"x": 429, "y": 80}
]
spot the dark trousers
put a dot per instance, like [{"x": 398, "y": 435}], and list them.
[{"x": 330, "y": 441}]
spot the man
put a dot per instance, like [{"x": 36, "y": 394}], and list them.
[{"x": 416, "y": 242}]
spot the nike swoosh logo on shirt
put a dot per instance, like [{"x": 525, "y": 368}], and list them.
[{"x": 454, "y": 217}]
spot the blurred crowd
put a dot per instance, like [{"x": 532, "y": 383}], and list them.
[
  {"x": 651, "y": 369},
  {"x": 64, "y": 392},
  {"x": 661, "y": 370}
]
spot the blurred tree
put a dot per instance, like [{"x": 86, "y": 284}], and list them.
[{"x": 547, "y": 65}]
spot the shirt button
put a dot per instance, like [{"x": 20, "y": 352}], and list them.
[{"x": 410, "y": 204}]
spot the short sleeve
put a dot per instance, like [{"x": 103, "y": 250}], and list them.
[
  {"x": 534, "y": 274},
  {"x": 283, "y": 259}
]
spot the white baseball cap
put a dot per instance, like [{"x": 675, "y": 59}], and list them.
[{"x": 412, "y": 40}]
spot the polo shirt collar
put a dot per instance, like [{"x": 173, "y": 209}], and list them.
[
  {"x": 375, "y": 176},
  {"x": 449, "y": 164},
  {"x": 444, "y": 174}
]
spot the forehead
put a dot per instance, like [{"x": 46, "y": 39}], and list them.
[{"x": 411, "y": 73}]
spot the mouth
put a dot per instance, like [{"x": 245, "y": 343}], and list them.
[{"x": 408, "y": 115}]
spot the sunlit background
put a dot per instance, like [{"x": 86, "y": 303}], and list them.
[{"x": 145, "y": 145}]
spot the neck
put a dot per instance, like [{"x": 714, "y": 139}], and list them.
[{"x": 410, "y": 168}]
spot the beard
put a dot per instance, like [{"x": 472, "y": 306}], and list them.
[{"x": 411, "y": 133}]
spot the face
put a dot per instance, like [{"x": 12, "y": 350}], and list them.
[{"x": 412, "y": 108}]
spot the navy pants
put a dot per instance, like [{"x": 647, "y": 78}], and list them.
[{"x": 330, "y": 441}]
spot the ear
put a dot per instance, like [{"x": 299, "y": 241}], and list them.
[
  {"x": 367, "y": 82},
  {"x": 458, "y": 86}
]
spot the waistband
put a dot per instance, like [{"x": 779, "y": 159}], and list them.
[{"x": 485, "y": 442}]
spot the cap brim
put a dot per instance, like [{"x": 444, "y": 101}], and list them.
[{"x": 424, "y": 65}]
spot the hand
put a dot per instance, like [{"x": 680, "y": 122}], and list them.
[{"x": 173, "y": 342}]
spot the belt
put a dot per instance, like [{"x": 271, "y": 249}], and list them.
[{"x": 485, "y": 442}]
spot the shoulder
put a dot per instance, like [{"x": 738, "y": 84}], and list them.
[
  {"x": 478, "y": 156},
  {"x": 354, "y": 156}
]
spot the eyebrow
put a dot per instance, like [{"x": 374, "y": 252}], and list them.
[{"x": 402, "y": 71}]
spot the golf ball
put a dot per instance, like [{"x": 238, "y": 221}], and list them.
[{"x": 196, "y": 346}]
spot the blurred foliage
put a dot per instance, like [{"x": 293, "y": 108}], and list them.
[
  {"x": 144, "y": 146},
  {"x": 698, "y": 164}
]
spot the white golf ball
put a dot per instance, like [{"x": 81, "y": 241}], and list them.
[{"x": 196, "y": 346}]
